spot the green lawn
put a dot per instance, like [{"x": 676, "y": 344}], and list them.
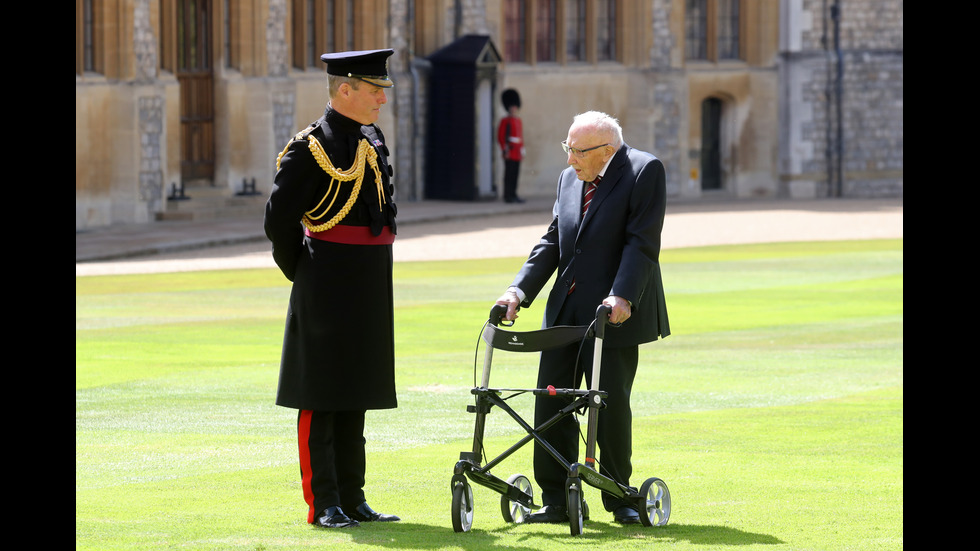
[{"x": 774, "y": 412}]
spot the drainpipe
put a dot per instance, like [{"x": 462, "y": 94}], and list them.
[
  {"x": 835, "y": 14},
  {"x": 413, "y": 194},
  {"x": 828, "y": 93}
]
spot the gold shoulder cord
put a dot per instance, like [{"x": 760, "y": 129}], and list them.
[{"x": 366, "y": 155}]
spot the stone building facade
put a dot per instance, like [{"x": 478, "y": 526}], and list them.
[
  {"x": 841, "y": 98},
  {"x": 740, "y": 98}
]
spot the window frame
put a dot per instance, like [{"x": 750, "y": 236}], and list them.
[
  {"x": 538, "y": 31},
  {"x": 545, "y": 25},
  {"x": 515, "y": 30},
  {"x": 90, "y": 28},
  {"x": 608, "y": 50},
  {"x": 707, "y": 38},
  {"x": 318, "y": 26},
  {"x": 575, "y": 40}
]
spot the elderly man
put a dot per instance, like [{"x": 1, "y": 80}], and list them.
[
  {"x": 604, "y": 242},
  {"x": 331, "y": 220}
]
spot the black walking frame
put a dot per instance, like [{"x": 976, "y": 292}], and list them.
[{"x": 652, "y": 500}]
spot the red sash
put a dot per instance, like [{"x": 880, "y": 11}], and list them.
[{"x": 353, "y": 235}]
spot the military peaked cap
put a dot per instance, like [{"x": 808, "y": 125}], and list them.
[{"x": 371, "y": 66}]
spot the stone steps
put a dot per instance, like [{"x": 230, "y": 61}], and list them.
[{"x": 201, "y": 201}]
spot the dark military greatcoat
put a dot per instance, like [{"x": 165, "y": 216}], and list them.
[{"x": 338, "y": 350}]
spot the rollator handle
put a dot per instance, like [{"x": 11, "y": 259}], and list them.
[
  {"x": 497, "y": 314},
  {"x": 602, "y": 314}
]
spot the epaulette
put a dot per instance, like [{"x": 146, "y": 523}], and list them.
[{"x": 300, "y": 136}]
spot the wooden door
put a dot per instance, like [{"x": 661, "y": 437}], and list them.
[{"x": 194, "y": 73}]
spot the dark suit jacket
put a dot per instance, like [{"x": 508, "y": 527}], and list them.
[{"x": 614, "y": 250}]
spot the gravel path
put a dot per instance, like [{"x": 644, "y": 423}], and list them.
[{"x": 513, "y": 235}]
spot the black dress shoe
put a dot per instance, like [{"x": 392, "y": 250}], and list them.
[
  {"x": 626, "y": 515},
  {"x": 365, "y": 513},
  {"x": 334, "y": 517},
  {"x": 514, "y": 200},
  {"x": 551, "y": 514}
]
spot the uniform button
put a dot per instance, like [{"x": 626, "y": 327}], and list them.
[{"x": 578, "y": 251}]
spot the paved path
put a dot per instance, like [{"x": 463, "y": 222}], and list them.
[{"x": 444, "y": 231}]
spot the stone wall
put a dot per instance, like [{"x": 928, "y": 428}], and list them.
[
  {"x": 782, "y": 99},
  {"x": 863, "y": 156}
]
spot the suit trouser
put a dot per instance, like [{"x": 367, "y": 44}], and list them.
[
  {"x": 511, "y": 172},
  {"x": 331, "y": 459},
  {"x": 614, "y": 429}
]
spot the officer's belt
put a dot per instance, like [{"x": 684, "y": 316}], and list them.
[{"x": 353, "y": 235}]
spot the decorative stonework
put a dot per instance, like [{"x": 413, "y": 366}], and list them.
[
  {"x": 275, "y": 36},
  {"x": 144, "y": 42},
  {"x": 283, "y": 120},
  {"x": 151, "y": 154}
]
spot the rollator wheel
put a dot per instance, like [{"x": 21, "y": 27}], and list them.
[
  {"x": 576, "y": 511},
  {"x": 462, "y": 507},
  {"x": 657, "y": 497},
  {"x": 512, "y": 510}
]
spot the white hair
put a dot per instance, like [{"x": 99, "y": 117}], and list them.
[{"x": 603, "y": 124}]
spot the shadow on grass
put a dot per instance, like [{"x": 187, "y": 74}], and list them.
[
  {"x": 700, "y": 534},
  {"x": 402, "y": 535}
]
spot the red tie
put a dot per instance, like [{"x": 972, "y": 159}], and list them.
[
  {"x": 589, "y": 192},
  {"x": 586, "y": 201}
]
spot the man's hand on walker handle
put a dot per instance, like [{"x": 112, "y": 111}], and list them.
[
  {"x": 621, "y": 309},
  {"x": 512, "y": 302}
]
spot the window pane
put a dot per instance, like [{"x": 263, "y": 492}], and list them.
[
  {"x": 728, "y": 29},
  {"x": 181, "y": 39},
  {"x": 227, "y": 32},
  {"x": 297, "y": 27},
  {"x": 575, "y": 30},
  {"x": 515, "y": 14},
  {"x": 606, "y": 30},
  {"x": 88, "y": 43},
  {"x": 204, "y": 32},
  {"x": 311, "y": 57},
  {"x": 329, "y": 42},
  {"x": 192, "y": 38},
  {"x": 350, "y": 25},
  {"x": 696, "y": 34},
  {"x": 545, "y": 30}
]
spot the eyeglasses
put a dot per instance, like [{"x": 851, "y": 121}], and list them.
[{"x": 579, "y": 152}]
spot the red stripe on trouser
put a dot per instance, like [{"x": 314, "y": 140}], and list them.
[{"x": 305, "y": 465}]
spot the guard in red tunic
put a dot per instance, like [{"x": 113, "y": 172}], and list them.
[
  {"x": 331, "y": 220},
  {"x": 510, "y": 136}
]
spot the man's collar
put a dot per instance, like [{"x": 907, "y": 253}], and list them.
[
  {"x": 342, "y": 120},
  {"x": 606, "y": 166}
]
